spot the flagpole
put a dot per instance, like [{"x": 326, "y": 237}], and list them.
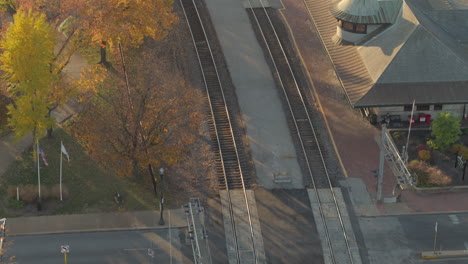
[
  {"x": 409, "y": 132},
  {"x": 435, "y": 237},
  {"x": 61, "y": 170}
]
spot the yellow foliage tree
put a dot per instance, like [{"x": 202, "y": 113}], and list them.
[{"x": 28, "y": 53}]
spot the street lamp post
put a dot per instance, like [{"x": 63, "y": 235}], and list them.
[{"x": 161, "y": 201}]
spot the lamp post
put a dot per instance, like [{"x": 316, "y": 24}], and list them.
[{"x": 161, "y": 201}]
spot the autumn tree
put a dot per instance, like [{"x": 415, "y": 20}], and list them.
[
  {"x": 28, "y": 53},
  {"x": 445, "y": 130},
  {"x": 153, "y": 121},
  {"x": 9, "y": 6},
  {"x": 126, "y": 21}
]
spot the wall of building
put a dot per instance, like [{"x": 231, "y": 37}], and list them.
[
  {"x": 455, "y": 109},
  {"x": 372, "y": 28},
  {"x": 349, "y": 36},
  {"x": 355, "y": 37}
]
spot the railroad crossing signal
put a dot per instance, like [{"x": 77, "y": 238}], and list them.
[
  {"x": 460, "y": 161},
  {"x": 150, "y": 252},
  {"x": 65, "y": 248}
]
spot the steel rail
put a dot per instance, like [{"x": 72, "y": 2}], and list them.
[
  {"x": 298, "y": 130},
  {"x": 218, "y": 137}
]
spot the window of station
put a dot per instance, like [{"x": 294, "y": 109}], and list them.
[
  {"x": 360, "y": 28},
  {"x": 422, "y": 107},
  {"x": 351, "y": 27},
  {"x": 437, "y": 107},
  {"x": 407, "y": 108}
]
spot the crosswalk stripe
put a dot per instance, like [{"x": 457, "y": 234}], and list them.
[{"x": 454, "y": 219}]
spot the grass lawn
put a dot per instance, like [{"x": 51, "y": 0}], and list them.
[{"x": 91, "y": 188}]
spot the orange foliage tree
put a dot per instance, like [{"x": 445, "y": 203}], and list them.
[
  {"x": 153, "y": 122},
  {"x": 126, "y": 21}
]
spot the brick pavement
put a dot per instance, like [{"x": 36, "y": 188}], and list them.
[{"x": 352, "y": 135}]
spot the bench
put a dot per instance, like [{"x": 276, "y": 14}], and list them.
[{"x": 282, "y": 178}]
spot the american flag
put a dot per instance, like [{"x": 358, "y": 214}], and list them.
[{"x": 43, "y": 156}]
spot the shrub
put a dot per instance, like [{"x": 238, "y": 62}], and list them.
[
  {"x": 464, "y": 152},
  {"x": 11, "y": 192},
  {"x": 437, "y": 177},
  {"x": 55, "y": 192},
  {"x": 422, "y": 147},
  {"x": 428, "y": 175},
  {"x": 399, "y": 134},
  {"x": 432, "y": 144},
  {"x": 424, "y": 155},
  {"x": 455, "y": 148},
  {"x": 13, "y": 203},
  {"x": 28, "y": 193},
  {"x": 45, "y": 192}
]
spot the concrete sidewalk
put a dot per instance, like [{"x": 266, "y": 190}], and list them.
[
  {"x": 55, "y": 224},
  {"x": 266, "y": 128}
]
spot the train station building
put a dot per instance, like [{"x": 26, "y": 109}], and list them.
[{"x": 413, "y": 50}]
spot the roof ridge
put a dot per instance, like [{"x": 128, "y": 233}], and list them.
[
  {"x": 408, "y": 36},
  {"x": 392, "y": 61}
]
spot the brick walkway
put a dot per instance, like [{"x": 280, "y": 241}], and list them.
[{"x": 353, "y": 136}]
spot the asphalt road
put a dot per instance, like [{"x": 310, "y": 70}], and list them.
[
  {"x": 401, "y": 239},
  {"x": 120, "y": 247}
]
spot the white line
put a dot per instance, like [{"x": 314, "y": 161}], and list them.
[
  {"x": 145, "y": 249},
  {"x": 134, "y": 249},
  {"x": 454, "y": 219},
  {"x": 170, "y": 237}
]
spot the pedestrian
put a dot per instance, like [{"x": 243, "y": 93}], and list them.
[{"x": 387, "y": 119}]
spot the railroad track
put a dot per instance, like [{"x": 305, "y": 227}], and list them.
[
  {"x": 303, "y": 127},
  {"x": 229, "y": 159}
]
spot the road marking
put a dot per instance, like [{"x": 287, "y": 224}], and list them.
[
  {"x": 170, "y": 238},
  {"x": 137, "y": 249},
  {"x": 131, "y": 249},
  {"x": 454, "y": 219},
  {"x": 445, "y": 259}
]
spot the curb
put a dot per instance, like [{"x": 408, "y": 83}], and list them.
[
  {"x": 413, "y": 213},
  {"x": 434, "y": 190}
]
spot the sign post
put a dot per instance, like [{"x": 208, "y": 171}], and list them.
[
  {"x": 435, "y": 237},
  {"x": 151, "y": 253},
  {"x": 65, "y": 249}
]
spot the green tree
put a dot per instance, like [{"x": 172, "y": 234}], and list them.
[
  {"x": 27, "y": 62},
  {"x": 445, "y": 130}
]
